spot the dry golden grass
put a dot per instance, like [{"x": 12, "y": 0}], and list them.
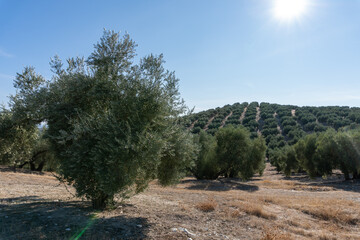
[
  {"x": 292, "y": 185},
  {"x": 184, "y": 207},
  {"x": 324, "y": 209},
  {"x": 329, "y": 213},
  {"x": 268, "y": 208},
  {"x": 255, "y": 209},
  {"x": 275, "y": 234},
  {"x": 229, "y": 214},
  {"x": 326, "y": 237},
  {"x": 292, "y": 223},
  {"x": 301, "y": 232},
  {"x": 207, "y": 206},
  {"x": 235, "y": 213}
]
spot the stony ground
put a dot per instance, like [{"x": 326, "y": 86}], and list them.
[{"x": 37, "y": 206}]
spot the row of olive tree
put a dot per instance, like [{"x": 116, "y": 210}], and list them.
[
  {"x": 319, "y": 153},
  {"x": 230, "y": 153}
]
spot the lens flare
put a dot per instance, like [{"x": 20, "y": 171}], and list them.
[{"x": 288, "y": 10}]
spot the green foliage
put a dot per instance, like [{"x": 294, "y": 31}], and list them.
[
  {"x": 319, "y": 154},
  {"x": 115, "y": 127},
  {"x": 22, "y": 142},
  {"x": 275, "y": 156},
  {"x": 256, "y": 163},
  {"x": 113, "y": 124},
  {"x": 206, "y": 165},
  {"x": 237, "y": 154},
  {"x": 284, "y": 159},
  {"x": 316, "y": 155},
  {"x": 290, "y": 161},
  {"x": 16, "y": 142},
  {"x": 22, "y": 146},
  {"x": 327, "y": 154},
  {"x": 348, "y": 145},
  {"x": 306, "y": 152},
  {"x": 178, "y": 155}
]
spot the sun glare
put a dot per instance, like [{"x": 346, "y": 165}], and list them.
[{"x": 288, "y": 10}]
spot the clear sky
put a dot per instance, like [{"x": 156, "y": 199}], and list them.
[{"x": 222, "y": 51}]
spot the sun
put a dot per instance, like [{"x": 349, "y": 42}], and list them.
[{"x": 289, "y": 10}]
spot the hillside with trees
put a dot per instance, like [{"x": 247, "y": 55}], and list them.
[
  {"x": 315, "y": 140},
  {"x": 277, "y": 123}
]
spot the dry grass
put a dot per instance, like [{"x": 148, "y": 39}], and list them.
[
  {"x": 235, "y": 213},
  {"x": 207, "y": 206},
  {"x": 329, "y": 213},
  {"x": 268, "y": 208},
  {"x": 325, "y": 209},
  {"x": 292, "y": 185},
  {"x": 326, "y": 237},
  {"x": 254, "y": 209},
  {"x": 293, "y": 223},
  {"x": 275, "y": 234}
]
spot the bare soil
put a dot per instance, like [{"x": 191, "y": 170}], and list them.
[
  {"x": 206, "y": 127},
  {"x": 225, "y": 119},
  {"x": 37, "y": 206},
  {"x": 243, "y": 115},
  {"x": 293, "y": 111},
  {"x": 257, "y": 118},
  {"x": 193, "y": 124}
]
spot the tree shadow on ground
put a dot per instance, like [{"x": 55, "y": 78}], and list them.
[
  {"x": 350, "y": 185},
  {"x": 335, "y": 181},
  {"x": 19, "y": 170},
  {"x": 220, "y": 185},
  {"x": 20, "y": 199},
  {"x": 24, "y": 218}
]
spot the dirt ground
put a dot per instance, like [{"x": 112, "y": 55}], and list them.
[{"x": 37, "y": 206}]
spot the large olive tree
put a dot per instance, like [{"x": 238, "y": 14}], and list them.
[{"x": 113, "y": 124}]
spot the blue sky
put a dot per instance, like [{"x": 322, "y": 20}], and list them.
[{"x": 222, "y": 51}]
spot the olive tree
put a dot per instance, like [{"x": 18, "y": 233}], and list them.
[
  {"x": 237, "y": 154},
  {"x": 21, "y": 140},
  {"x": 206, "y": 165},
  {"x": 16, "y": 141},
  {"x": 113, "y": 124}
]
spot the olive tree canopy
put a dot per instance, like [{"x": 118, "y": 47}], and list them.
[{"x": 112, "y": 124}]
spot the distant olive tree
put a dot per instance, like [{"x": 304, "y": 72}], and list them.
[
  {"x": 237, "y": 154},
  {"x": 16, "y": 141},
  {"x": 22, "y": 143},
  {"x": 320, "y": 153},
  {"x": 348, "y": 152},
  {"x": 206, "y": 165}
]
